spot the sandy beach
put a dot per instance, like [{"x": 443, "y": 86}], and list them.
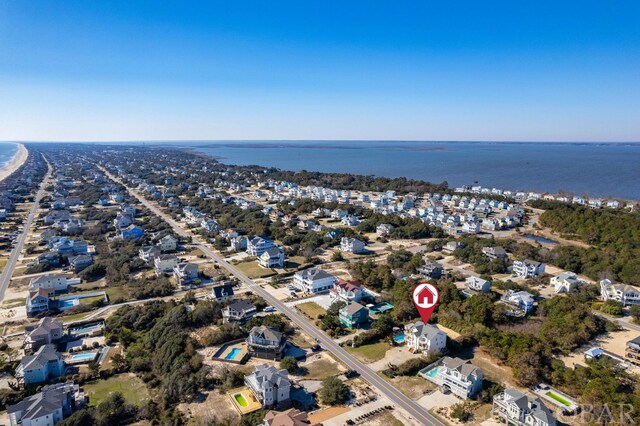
[{"x": 17, "y": 161}]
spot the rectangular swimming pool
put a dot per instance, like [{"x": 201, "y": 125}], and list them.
[
  {"x": 233, "y": 354},
  {"x": 90, "y": 356}
]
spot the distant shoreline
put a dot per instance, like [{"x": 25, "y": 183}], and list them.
[{"x": 16, "y": 162}]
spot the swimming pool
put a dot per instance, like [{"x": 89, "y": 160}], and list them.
[
  {"x": 539, "y": 239},
  {"x": 433, "y": 372},
  {"x": 89, "y": 356},
  {"x": 399, "y": 338},
  {"x": 241, "y": 400},
  {"x": 67, "y": 304},
  {"x": 233, "y": 354}
]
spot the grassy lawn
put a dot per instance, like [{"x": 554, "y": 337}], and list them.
[
  {"x": 320, "y": 369},
  {"x": 131, "y": 387},
  {"x": 253, "y": 270},
  {"x": 90, "y": 300},
  {"x": 558, "y": 398},
  {"x": 115, "y": 293},
  {"x": 312, "y": 309},
  {"x": 370, "y": 353}
]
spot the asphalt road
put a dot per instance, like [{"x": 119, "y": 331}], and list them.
[
  {"x": 417, "y": 412},
  {"x": 7, "y": 272}
]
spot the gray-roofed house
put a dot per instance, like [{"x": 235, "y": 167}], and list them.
[
  {"x": 425, "y": 338},
  {"x": 266, "y": 343},
  {"x": 80, "y": 262},
  {"x": 43, "y": 365},
  {"x": 186, "y": 273},
  {"x": 431, "y": 269},
  {"x": 457, "y": 376},
  {"x": 496, "y": 252},
  {"x": 47, "y": 407},
  {"x": 313, "y": 280},
  {"x": 272, "y": 258},
  {"x": 528, "y": 268},
  {"x": 239, "y": 311},
  {"x": 353, "y": 315},
  {"x": 149, "y": 253},
  {"x": 271, "y": 386},
  {"x": 478, "y": 284},
  {"x": 45, "y": 331},
  {"x": 518, "y": 409}
]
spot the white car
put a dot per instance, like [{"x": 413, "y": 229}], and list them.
[{"x": 269, "y": 309}]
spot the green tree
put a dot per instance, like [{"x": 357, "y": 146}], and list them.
[
  {"x": 290, "y": 364},
  {"x": 333, "y": 391}
]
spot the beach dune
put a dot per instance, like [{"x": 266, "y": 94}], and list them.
[{"x": 17, "y": 161}]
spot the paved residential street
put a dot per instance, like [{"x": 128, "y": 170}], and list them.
[
  {"x": 7, "y": 272},
  {"x": 417, "y": 412}
]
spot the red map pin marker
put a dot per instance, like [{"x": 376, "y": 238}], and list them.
[{"x": 425, "y": 297}]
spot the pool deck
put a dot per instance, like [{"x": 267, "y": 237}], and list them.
[
  {"x": 227, "y": 348},
  {"x": 253, "y": 403}
]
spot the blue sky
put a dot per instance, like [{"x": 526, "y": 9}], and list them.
[{"x": 464, "y": 70}]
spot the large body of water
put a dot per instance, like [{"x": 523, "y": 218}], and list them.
[
  {"x": 7, "y": 152},
  {"x": 603, "y": 170}
]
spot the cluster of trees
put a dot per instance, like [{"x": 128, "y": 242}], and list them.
[
  {"x": 403, "y": 228},
  {"x": 112, "y": 410},
  {"x": 564, "y": 325},
  {"x": 613, "y": 234},
  {"x": 356, "y": 182},
  {"x": 159, "y": 348}
]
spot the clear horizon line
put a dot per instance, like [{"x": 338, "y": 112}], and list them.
[{"x": 137, "y": 141}]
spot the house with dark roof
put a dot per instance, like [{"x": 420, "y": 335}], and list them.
[
  {"x": 270, "y": 386},
  {"x": 222, "y": 293},
  {"x": 149, "y": 253},
  {"x": 239, "y": 311},
  {"x": 347, "y": 291},
  {"x": 266, "y": 342},
  {"x": 46, "y": 363},
  {"x": 44, "y": 332},
  {"x": 49, "y": 406},
  {"x": 518, "y": 409}
]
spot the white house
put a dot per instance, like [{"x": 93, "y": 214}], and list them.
[
  {"x": 518, "y": 409},
  {"x": 347, "y": 291},
  {"x": 351, "y": 245},
  {"x": 565, "y": 282},
  {"x": 49, "y": 406},
  {"x": 55, "y": 282},
  {"x": 165, "y": 263},
  {"x": 528, "y": 268},
  {"x": 384, "y": 229},
  {"x": 478, "y": 284},
  {"x": 168, "y": 243},
  {"x": 455, "y": 375},
  {"x": 185, "y": 272},
  {"x": 46, "y": 363},
  {"x": 272, "y": 258},
  {"x": 623, "y": 293},
  {"x": 313, "y": 280},
  {"x": 258, "y": 245},
  {"x": 424, "y": 338},
  {"x": 521, "y": 299},
  {"x": 270, "y": 386}
]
